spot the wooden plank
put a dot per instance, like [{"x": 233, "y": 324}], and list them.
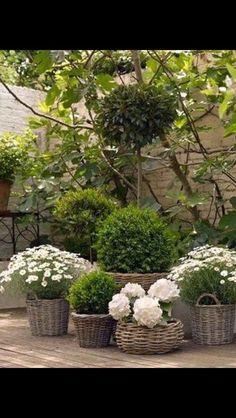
[
  {"x": 73, "y": 360},
  {"x": 62, "y": 345},
  {"x": 19, "y": 346}
]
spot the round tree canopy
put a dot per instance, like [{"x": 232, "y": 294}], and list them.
[{"x": 135, "y": 115}]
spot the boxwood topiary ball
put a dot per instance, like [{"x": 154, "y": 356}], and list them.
[{"x": 134, "y": 240}]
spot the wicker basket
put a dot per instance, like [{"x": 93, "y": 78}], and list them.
[
  {"x": 134, "y": 339},
  {"x": 93, "y": 330},
  {"x": 48, "y": 316},
  {"x": 212, "y": 324},
  {"x": 145, "y": 280}
]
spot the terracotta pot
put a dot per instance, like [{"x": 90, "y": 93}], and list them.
[{"x": 5, "y": 189}]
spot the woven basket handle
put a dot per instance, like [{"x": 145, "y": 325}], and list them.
[
  {"x": 210, "y": 295},
  {"x": 35, "y": 297}
]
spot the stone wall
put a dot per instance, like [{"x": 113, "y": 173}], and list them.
[{"x": 163, "y": 178}]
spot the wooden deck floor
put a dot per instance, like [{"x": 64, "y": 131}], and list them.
[{"x": 18, "y": 349}]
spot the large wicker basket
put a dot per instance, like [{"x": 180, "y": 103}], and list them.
[
  {"x": 145, "y": 280},
  {"x": 134, "y": 339},
  {"x": 93, "y": 330},
  {"x": 48, "y": 316},
  {"x": 212, "y": 324}
]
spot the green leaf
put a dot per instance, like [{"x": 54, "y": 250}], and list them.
[
  {"x": 152, "y": 64},
  {"x": 225, "y": 104},
  {"x": 150, "y": 202},
  {"x": 44, "y": 61},
  {"x": 52, "y": 95},
  {"x": 228, "y": 221},
  {"x": 230, "y": 128},
  {"x": 197, "y": 199},
  {"x": 181, "y": 122},
  {"x": 106, "y": 82},
  {"x": 35, "y": 123},
  {"x": 231, "y": 70}
]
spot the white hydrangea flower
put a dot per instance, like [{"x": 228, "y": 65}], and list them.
[
  {"x": 216, "y": 269},
  {"x": 44, "y": 283},
  {"x": 147, "y": 311},
  {"x": 133, "y": 290},
  {"x": 165, "y": 290},
  {"x": 222, "y": 281},
  {"x": 22, "y": 272},
  {"x": 119, "y": 306},
  {"x": 224, "y": 273}
]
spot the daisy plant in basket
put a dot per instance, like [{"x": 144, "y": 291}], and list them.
[
  {"x": 149, "y": 309},
  {"x": 44, "y": 272},
  {"x": 207, "y": 269}
]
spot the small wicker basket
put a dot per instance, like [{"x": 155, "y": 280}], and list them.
[
  {"x": 48, "y": 316},
  {"x": 212, "y": 324},
  {"x": 145, "y": 280},
  {"x": 135, "y": 339},
  {"x": 93, "y": 330}
]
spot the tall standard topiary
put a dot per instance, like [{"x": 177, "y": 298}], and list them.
[
  {"x": 134, "y": 240},
  {"x": 135, "y": 116}
]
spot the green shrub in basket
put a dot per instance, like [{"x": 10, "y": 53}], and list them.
[
  {"x": 134, "y": 240},
  {"x": 92, "y": 293}
]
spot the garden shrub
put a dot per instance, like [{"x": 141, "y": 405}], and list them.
[
  {"x": 134, "y": 240},
  {"x": 92, "y": 293},
  {"x": 80, "y": 212}
]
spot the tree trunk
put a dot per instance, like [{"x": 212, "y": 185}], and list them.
[
  {"x": 137, "y": 66},
  {"x": 139, "y": 182},
  {"x": 181, "y": 176}
]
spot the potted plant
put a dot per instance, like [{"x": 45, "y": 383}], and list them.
[
  {"x": 13, "y": 152},
  {"x": 134, "y": 245},
  {"x": 79, "y": 212},
  {"x": 44, "y": 274},
  {"x": 207, "y": 279},
  {"x": 89, "y": 297},
  {"x": 145, "y": 325}
]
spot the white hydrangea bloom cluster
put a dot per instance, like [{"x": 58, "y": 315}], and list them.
[
  {"x": 119, "y": 306},
  {"x": 164, "y": 290},
  {"x": 206, "y": 256},
  {"x": 147, "y": 311},
  {"x": 133, "y": 290},
  {"x": 42, "y": 264},
  {"x": 134, "y": 305}
]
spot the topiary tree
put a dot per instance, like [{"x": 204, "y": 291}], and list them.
[
  {"x": 134, "y": 240},
  {"x": 79, "y": 212},
  {"x": 92, "y": 293},
  {"x": 135, "y": 116}
]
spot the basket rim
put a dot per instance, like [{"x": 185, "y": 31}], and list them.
[
  {"x": 173, "y": 321},
  {"x": 46, "y": 300},
  {"x": 136, "y": 273},
  {"x": 76, "y": 315},
  {"x": 222, "y": 305}
]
